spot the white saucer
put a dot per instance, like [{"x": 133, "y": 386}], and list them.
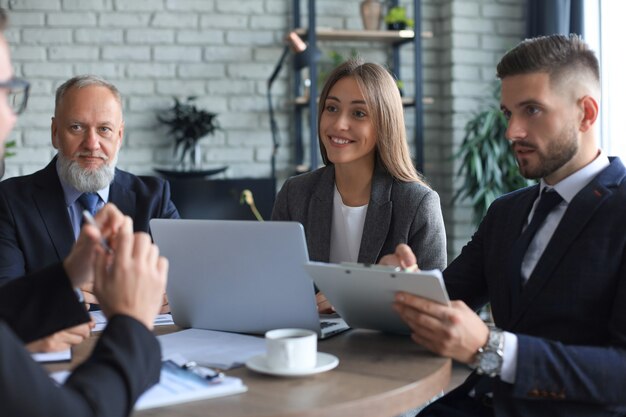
[{"x": 325, "y": 362}]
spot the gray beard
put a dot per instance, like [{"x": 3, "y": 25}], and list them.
[{"x": 86, "y": 181}]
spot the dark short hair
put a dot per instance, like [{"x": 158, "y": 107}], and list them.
[
  {"x": 554, "y": 54},
  {"x": 3, "y": 19}
]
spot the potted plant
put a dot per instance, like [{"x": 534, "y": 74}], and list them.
[
  {"x": 187, "y": 124},
  {"x": 8, "y": 148},
  {"x": 400, "y": 85},
  {"x": 488, "y": 165},
  {"x": 396, "y": 19},
  {"x": 332, "y": 60}
]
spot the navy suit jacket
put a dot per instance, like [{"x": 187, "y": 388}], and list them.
[
  {"x": 571, "y": 315},
  {"x": 124, "y": 363},
  {"x": 35, "y": 228}
]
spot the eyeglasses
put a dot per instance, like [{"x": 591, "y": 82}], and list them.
[{"x": 17, "y": 93}]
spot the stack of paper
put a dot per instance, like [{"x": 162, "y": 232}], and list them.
[
  {"x": 62, "y": 356},
  {"x": 212, "y": 348},
  {"x": 101, "y": 320}
]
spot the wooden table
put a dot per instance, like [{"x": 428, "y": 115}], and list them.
[{"x": 378, "y": 375}]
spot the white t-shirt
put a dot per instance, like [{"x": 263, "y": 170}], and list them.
[{"x": 346, "y": 230}]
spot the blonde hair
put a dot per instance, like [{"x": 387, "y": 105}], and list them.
[{"x": 385, "y": 106}]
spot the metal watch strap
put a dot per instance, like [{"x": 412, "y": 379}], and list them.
[
  {"x": 495, "y": 341},
  {"x": 489, "y": 357}
]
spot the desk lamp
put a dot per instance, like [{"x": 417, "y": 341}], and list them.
[{"x": 298, "y": 47}]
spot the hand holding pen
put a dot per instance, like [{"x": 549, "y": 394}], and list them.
[
  {"x": 79, "y": 263},
  {"x": 89, "y": 219}
]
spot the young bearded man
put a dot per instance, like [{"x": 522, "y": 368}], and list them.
[{"x": 554, "y": 274}]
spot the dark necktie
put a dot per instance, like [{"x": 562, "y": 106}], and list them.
[
  {"x": 548, "y": 201},
  {"x": 89, "y": 202}
]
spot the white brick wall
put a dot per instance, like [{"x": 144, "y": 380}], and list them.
[
  {"x": 223, "y": 51},
  {"x": 473, "y": 36}
]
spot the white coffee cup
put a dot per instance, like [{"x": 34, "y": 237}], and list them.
[{"x": 291, "y": 349}]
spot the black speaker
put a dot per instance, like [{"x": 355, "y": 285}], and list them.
[{"x": 219, "y": 199}]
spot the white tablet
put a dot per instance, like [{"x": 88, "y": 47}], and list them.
[{"x": 363, "y": 294}]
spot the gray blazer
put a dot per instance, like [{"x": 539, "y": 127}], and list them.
[{"x": 398, "y": 212}]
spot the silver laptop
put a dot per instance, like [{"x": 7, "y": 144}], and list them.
[{"x": 239, "y": 276}]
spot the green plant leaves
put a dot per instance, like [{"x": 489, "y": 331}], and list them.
[
  {"x": 397, "y": 14},
  {"x": 488, "y": 165},
  {"x": 187, "y": 125}
]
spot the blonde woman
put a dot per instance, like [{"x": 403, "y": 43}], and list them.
[{"x": 369, "y": 197}]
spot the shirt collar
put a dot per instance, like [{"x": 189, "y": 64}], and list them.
[
  {"x": 71, "y": 194},
  {"x": 571, "y": 185}
]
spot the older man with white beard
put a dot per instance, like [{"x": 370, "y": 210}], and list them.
[{"x": 40, "y": 214}]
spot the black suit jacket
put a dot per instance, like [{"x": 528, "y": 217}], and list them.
[
  {"x": 124, "y": 363},
  {"x": 571, "y": 315},
  {"x": 35, "y": 229}
]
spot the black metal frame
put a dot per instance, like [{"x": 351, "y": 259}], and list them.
[{"x": 311, "y": 39}]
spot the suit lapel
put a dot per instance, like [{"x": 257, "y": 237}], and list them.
[
  {"x": 377, "y": 218},
  {"x": 320, "y": 216},
  {"x": 580, "y": 210},
  {"x": 122, "y": 196},
  {"x": 50, "y": 203}
]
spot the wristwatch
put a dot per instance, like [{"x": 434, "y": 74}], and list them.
[{"x": 489, "y": 357}]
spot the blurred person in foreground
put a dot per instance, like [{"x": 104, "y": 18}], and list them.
[{"x": 129, "y": 284}]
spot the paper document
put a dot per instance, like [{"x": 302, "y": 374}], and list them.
[
  {"x": 221, "y": 350},
  {"x": 177, "y": 385},
  {"x": 101, "y": 320},
  {"x": 62, "y": 356}
]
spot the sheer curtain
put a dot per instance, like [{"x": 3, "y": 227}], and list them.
[
  {"x": 605, "y": 33},
  {"x": 601, "y": 23}
]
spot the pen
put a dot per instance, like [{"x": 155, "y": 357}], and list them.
[
  {"x": 205, "y": 372},
  {"x": 89, "y": 219}
]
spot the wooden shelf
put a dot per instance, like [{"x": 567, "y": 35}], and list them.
[{"x": 390, "y": 36}]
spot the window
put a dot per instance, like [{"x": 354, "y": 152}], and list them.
[{"x": 604, "y": 33}]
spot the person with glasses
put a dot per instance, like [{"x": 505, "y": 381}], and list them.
[
  {"x": 16, "y": 91},
  {"x": 17, "y": 94},
  {"x": 129, "y": 284}
]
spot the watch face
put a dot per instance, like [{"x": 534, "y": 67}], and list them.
[{"x": 490, "y": 362}]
